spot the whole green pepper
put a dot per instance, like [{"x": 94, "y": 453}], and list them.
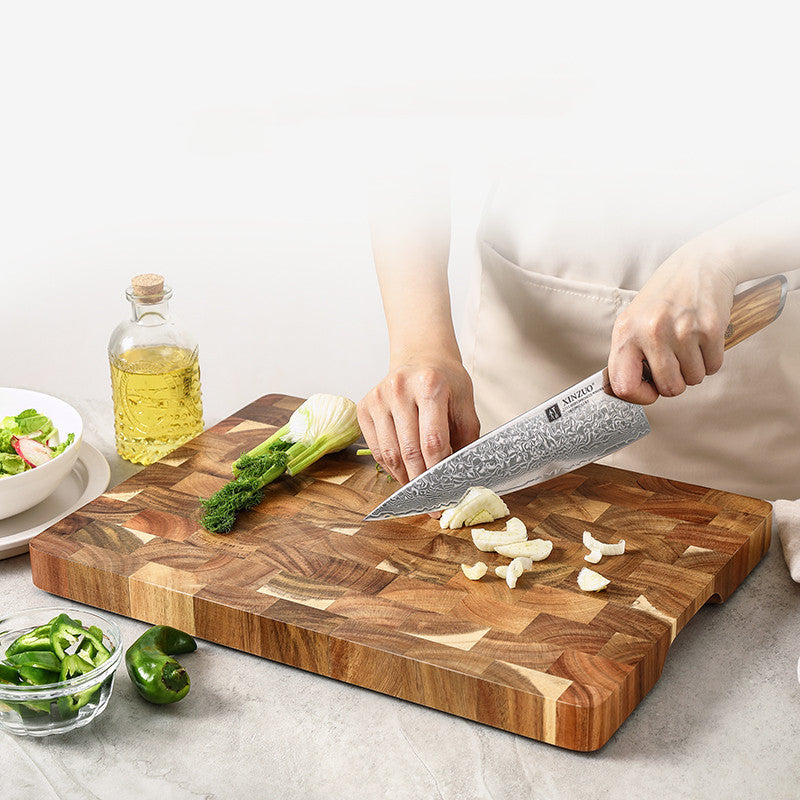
[{"x": 157, "y": 676}]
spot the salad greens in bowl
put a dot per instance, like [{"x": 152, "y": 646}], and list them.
[{"x": 40, "y": 436}]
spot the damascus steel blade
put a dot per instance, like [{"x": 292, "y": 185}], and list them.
[{"x": 581, "y": 425}]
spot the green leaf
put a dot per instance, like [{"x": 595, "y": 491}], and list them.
[{"x": 11, "y": 464}]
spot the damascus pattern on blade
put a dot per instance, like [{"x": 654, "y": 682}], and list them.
[{"x": 563, "y": 434}]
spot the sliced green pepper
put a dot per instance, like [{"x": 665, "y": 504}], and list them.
[
  {"x": 43, "y": 659},
  {"x": 93, "y": 650},
  {"x": 36, "y": 676},
  {"x": 8, "y": 674},
  {"x": 37, "y": 639},
  {"x": 27, "y": 674},
  {"x": 40, "y": 656},
  {"x": 158, "y": 677},
  {"x": 70, "y": 667},
  {"x": 65, "y": 632}
]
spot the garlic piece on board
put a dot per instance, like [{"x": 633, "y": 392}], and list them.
[
  {"x": 535, "y": 549},
  {"x": 475, "y": 572},
  {"x": 489, "y": 540},
  {"x": 515, "y": 569},
  {"x": 591, "y": 581},
  {"x": 593, "y": 556},
  {"x": 477, "y": 506},
  {"x": 590, "y": 543}
]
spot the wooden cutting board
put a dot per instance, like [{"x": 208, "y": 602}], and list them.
[{"x": 384, "y": 605}]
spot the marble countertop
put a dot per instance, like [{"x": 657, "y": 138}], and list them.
[{"x": 721, "y": 722}]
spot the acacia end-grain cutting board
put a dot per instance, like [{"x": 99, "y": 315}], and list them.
[{"x": 385, "y": 605}]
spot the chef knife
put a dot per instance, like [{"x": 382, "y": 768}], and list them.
[{"x": 576, "y": 427}]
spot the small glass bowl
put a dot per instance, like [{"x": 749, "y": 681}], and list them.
[{"x": 35, "y": 710}]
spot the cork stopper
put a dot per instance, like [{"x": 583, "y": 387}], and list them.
[{"x": 148, "y": 285}]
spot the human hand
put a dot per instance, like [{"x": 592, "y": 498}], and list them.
[
  {"x": 677, "y": 324},
  {"x": 422, "y": 411}
]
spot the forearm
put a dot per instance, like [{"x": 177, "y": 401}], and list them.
[
  {"x": 416, "y": 302},
  {"x": 762, "y": 241},
  {"x": 410, "y": 233}
]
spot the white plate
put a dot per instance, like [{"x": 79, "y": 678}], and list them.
[{"x": 88, "y": 479}]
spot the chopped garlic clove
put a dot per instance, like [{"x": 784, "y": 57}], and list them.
[
  {"x": 590, "y": 543},
  {"x": 515, "y": 569},
  {"x": 475, "y": 572},
  {"x": 478, "y": 519},
  {"x": 535, "y": 549},
  {"x": 511, "y": 572},
  {"x": 517, "y": 525},
  {"x": 593, "y": 557},
  {"x": 490, "y": 540},
  {"x": 590, "y": 581},
  {"x": 477, "y": 506}
]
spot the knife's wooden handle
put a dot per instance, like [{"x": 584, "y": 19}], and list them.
[{"x": 755, "y": 308}]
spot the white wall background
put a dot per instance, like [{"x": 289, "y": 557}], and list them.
[{"x": 224, "y": 145}]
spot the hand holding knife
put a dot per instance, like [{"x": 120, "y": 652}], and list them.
[{"x": 582, "y": 424}]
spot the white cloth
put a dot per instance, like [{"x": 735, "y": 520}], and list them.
[
  {"x": 786, "y": 522},
  {"x": 561, "y": 255}
]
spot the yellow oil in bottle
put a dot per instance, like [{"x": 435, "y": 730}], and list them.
[{"x": 157, "y": 403}]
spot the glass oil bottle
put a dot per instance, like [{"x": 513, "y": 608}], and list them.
[{"x": 155, "y": 376}]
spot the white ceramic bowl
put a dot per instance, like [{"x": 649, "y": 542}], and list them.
[{"x": 20, "y": 492}]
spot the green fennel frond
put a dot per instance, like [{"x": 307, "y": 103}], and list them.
[
  {"x": 255, "y": 466},
  {"x": 222, "y": 508}
]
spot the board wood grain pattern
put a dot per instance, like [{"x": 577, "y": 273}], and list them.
[{"x": 384, "y": 605}]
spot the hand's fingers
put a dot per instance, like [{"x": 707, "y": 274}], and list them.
[
  {"x": 666, "y": 372},
  {"x": 691, "y": 364},
  {"x": 407, "y": 424},
  {"x": 388, "y": 447},
  {"x": 712, "y": 351},
  {"x": 625, "y": 375},
  {"x": 465, "y": 427},
  {"x": 367, "y": 427},
  {"x": 434, "y": 432}
]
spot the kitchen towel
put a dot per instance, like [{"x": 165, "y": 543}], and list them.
[{"x": 787, "y": 523}]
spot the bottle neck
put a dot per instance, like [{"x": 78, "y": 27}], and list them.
[{"x": 152, "y": 310}]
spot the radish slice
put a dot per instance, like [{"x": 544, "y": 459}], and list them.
[{"x": 30, "y": 451}]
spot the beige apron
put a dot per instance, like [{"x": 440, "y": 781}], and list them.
[{"x": 560, "y": 257}]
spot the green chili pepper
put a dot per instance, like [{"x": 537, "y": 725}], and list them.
[
  {"x": 158, "y": 677},
  {"x": 70, "y": 667},
  {"x": 43, "y": 659},
  {"x": 36, "y": 676},
  {"x": 37, "y": 639},
  {"x": 65, "y": 632},
  {"x": 8, "y": 674}
]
